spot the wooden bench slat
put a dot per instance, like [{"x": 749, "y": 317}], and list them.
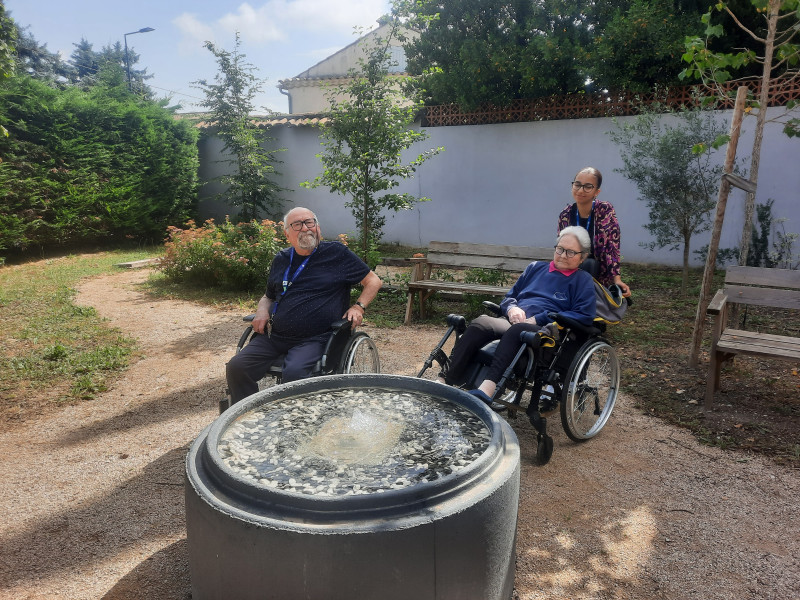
[
  {"x": 761, "y": 344},
  {"x": 483, "y": 262},
  {"x": 477, "y": 288},
  {"x": 500, "y": 251},
  {"x": 763, "y": 296},
  {"x": 785, "y": 278}
]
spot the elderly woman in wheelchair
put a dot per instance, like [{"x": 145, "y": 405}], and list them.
[{"x": 544, "y": 338}]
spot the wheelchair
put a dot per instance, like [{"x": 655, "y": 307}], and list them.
[
  {"x": 346, "y": 351},
  {"x": 577, "y": 373}
]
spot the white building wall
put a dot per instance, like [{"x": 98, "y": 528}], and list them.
[{"x": 506, "y": 184}]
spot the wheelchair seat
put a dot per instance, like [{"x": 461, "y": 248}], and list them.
[{"x": 346, "y": 351}]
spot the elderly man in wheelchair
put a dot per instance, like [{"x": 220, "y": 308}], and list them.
[
  {"x": 304, "y": 324},
  {"x": 543, "y": 339}
]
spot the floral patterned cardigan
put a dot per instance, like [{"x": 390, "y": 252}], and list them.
[{"x": 604, "y": 233}]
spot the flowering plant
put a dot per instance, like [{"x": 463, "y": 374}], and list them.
[{"x": 230, "y": 256}]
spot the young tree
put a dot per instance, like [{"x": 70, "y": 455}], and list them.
[
  {"x": 230, "y": 100},
  {"x": 777, "y": 35},
  {"x": 677, "y": 181},
  {"x": 364, "y": 139}
]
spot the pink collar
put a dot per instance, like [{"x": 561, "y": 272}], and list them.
[{"x": 567, "y": 273}]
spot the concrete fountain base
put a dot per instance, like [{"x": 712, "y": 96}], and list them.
[{"x": 452, "y": 538}]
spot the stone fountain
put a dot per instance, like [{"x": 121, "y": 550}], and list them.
[{"x": 354, "y": 487}]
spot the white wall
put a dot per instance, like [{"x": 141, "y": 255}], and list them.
[{"x": 506, "y": 183}]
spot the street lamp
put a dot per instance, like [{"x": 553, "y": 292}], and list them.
[{"x": 127, "y": 60}]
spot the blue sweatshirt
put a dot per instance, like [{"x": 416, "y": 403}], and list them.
[{"x": 539, "y": 291}]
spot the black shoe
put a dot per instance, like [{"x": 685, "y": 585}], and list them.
[{"x": 481, "y": 395}]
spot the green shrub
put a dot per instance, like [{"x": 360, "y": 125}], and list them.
[
  {"x": 88, "y": 166},
  {"x": 229, "y": 256}
]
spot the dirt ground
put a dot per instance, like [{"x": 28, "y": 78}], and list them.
[{"x": 91, "y": 495}]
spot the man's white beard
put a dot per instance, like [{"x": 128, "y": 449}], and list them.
[{"x": 307, "y": 240}]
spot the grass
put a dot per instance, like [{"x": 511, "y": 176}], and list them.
[
  {"x": 52, "y": 348},
  {"x": 57, "y": 351}
]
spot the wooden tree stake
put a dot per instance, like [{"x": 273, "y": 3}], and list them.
[{"x": 713, "y": 246}]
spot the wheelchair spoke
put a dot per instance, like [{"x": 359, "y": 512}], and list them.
[
  {"x": 593, "y": 381},
  {"x": 361, "y": 356}
]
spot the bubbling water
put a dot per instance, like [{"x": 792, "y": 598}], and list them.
[{"x": 347, "y": 442}]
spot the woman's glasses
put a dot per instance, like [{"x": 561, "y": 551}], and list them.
[
  {"x": 569, "y": 253},
  {"x": 576, "y": 185}
]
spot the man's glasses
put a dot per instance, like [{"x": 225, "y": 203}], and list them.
[
  {"x": 569, "y": 253},
  {"x": 298, "y": 225},
  {"x": 576, "y": 185}
]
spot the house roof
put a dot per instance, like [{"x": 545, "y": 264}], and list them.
[
  {"x": 298, "y": 120},
  {"x": 338, "y": 66}
]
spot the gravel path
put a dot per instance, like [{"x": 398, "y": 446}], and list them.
[{"x": 92, "y": 495}]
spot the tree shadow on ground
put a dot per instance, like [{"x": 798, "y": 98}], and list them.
[
  {"x": 151, "y": 505},
  {"x": 165, "y": 574}
]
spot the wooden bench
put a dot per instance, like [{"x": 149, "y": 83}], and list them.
[
  {"x": 457, "y": 255},
  {"x": 777, "y": 288}
]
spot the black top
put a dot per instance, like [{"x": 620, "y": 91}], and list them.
[{"x": 318, "y": 295}]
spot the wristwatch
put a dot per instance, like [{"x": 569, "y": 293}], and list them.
[{"x": 358, "y": 303}]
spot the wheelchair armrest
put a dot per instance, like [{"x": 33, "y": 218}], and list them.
[
  {"x": 249, "y": 318},
  {"x": 340, "y": 333},
  {"x": 339, "y": 323},
  {"x": 571, "y": 323},
  {"x": 493, "y": 307}
]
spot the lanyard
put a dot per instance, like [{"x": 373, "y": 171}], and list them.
[
  {"x": 288, "y": 282},
  {"x": 588, "y": 220}
]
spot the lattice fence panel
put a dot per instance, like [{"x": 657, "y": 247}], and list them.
[{"x": 585, "y": 106}]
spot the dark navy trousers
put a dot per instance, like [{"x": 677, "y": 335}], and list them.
[{"x": 250, "y": 365}]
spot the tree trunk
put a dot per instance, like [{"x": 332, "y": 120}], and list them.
[
  {"x": 365, "y": 218},
  {"x": 722, "y": 202},
  {"x": 761, "y": 118},
  {"x": 687, "y": 238}
]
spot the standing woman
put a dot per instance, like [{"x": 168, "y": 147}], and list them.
[{"x": 600, "y": 220}]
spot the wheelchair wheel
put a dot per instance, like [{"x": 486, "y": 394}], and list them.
[
  {"x": 360, "y": 356},
  {"x": 590, "y": 390}
]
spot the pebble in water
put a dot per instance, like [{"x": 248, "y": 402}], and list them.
[{"x": 349, "y": 442}]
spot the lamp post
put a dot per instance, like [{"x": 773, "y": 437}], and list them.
[{"x": 127, "y": 60}]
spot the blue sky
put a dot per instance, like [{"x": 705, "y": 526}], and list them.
[{"x": 280, "y": 37}]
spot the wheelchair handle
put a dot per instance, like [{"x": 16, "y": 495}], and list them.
[
  {"x": 457, "y": 322},
  {"x": 531, "y": 338}
]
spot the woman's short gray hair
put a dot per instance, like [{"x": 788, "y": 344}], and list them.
[{"x": 580, "y": 234}]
